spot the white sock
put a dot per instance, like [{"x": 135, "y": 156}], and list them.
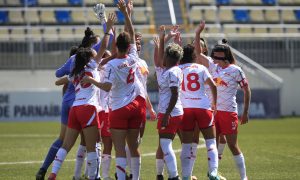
[
  {"x": 59, "y": 159},
  {"x": 106, "y": 160},
  {"x": 86, "y": 169},
  {"x": 98, "y": 151},
  {"x": 185, "y": 158},
  {"x": 160, "y": 166},
  {"x": 135, "y": 167},
  {"x": 128, "y": 157},
  {"x": 169, "y": 156},
  {"x": 121, "y": 166},
  {"x": 79, "y": 160},
  {"x": 221, "y": 148},
  {"x": 92, "y": 164},
  {"x": 212, "y": 154},
  {"x": 193, "y": 155},
  {"x": 240, "y": 163}
]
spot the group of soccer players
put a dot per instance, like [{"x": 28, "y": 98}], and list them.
[{"x": 106, "y": 99}]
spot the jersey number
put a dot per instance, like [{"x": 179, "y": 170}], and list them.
[
  {"x": 192, "y": 82},
  {"x": 130, "y": 77}
]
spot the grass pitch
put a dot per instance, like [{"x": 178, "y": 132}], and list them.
[{"x": 271, "y": 149}]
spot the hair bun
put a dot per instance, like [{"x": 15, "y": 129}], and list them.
[
  {"x": 88, "y": 32},
  {"x": 224, "y": 41}
]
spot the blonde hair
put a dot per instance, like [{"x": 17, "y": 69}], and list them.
[{"x": 174, "y": 51}]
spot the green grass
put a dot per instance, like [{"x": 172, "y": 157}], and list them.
[{"x": 271, "y": 149}]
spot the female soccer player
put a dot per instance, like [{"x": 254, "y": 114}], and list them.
[
  {"x": 83, "y": 115},
  {"x": 227, "y": 77},
  {"x": 169, "y": 77},
  {"x": 197, "y": 112},
  {"x": 68, "y": 98},
  {"x": 128, "y": 106}
]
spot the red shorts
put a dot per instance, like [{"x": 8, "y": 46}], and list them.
[
  {"x": 130, "y": 116},
  {"x": 174, "y": 124},
  {"x": 104, "y": 124},
  {"x": 193, "y": 116},
  {"x": 226, "y": 122},
  {"x": 83, "y": 116}
]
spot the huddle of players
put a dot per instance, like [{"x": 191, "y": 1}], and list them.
[{"x": 111, "y": 101}]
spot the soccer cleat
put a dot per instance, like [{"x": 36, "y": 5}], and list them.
[
  {"x": 126, "y": 176},
  {"x": 160, "y": 177},
  {"x": 221, "y": 176},
  {"x": 99, "y": 10},
  {"x": 174, "y": 178},
  {"x": 84, "y": 177},
  {"x": 194, "y": 178},
  {"x": 40, "y": 175},
  {"x": 212, "y": 177},
  {"x": 52, "y": 176}
]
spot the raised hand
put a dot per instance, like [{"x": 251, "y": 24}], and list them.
[
  {"x": 173, "y": 31},
  {"x": 99, "y": 10},
  {"x": 200, "y": 27},
  {"x": 178, "y": 39},
  {"x": 111, "y": 21},
  {"x": 162, "y": 31},
  {"x": 156, "y": 41},
  {"x": 129, "y": 7},
  {"x": 122, "y": 6}
]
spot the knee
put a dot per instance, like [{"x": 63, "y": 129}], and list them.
[{"x": 234, "y": 148}]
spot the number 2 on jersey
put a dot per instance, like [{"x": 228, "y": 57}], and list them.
[
  {"x": 130, "y": 77},
  {"x": 192, "y": 82}
]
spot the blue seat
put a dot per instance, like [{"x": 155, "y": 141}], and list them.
[
  {"x": 297, "y": 14},
  {"x": 75, "y": 2},
  {"x": 223, "y": 2},
  {"x": 241, "y": 15},
  {"x": 29, "y": 2},
  {"x": 63, "y": 16},
  {"x": 120, "y": 16},
  {"x": 3, "y": 17},
  {"x": 269, "y": 2}
]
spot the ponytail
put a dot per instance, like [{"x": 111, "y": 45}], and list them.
[{"x": 82, "y": 58}]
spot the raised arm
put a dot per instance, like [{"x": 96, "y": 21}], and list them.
[
  {"x": 110, "y": 22},
  {"x": 161, "y": 49},
  {"x": 156, "y": 47},
  {"x": 202, "y": 59},
  {"x": 122, "y": 7},
  {"x": 129, "y": 7}
]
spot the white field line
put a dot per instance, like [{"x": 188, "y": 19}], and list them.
[{"x": 201, "y": 146}]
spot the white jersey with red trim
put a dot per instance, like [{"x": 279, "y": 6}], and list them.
[
  {"x": 167, "y": 78},
  {"x": 86, "y": 93},
  {"x": 104, "y": 96},
  {"x": 227, "y": 81},
  {"x": 121, "y": 73},
  {"x": 142, "y": 75},
  {"x": 193, "y": 93}
]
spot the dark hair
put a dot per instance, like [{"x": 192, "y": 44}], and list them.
[
  {"x": 82, "y": 58},
  {"x": 73, "y": 50},
  {"x": 123, "y": 42},
  {"x": 89, "y": 38},
  {"x": 223, "y": 47},
  {"x": 204, "y": 45},
  {"x": 188, "y": 54}
]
